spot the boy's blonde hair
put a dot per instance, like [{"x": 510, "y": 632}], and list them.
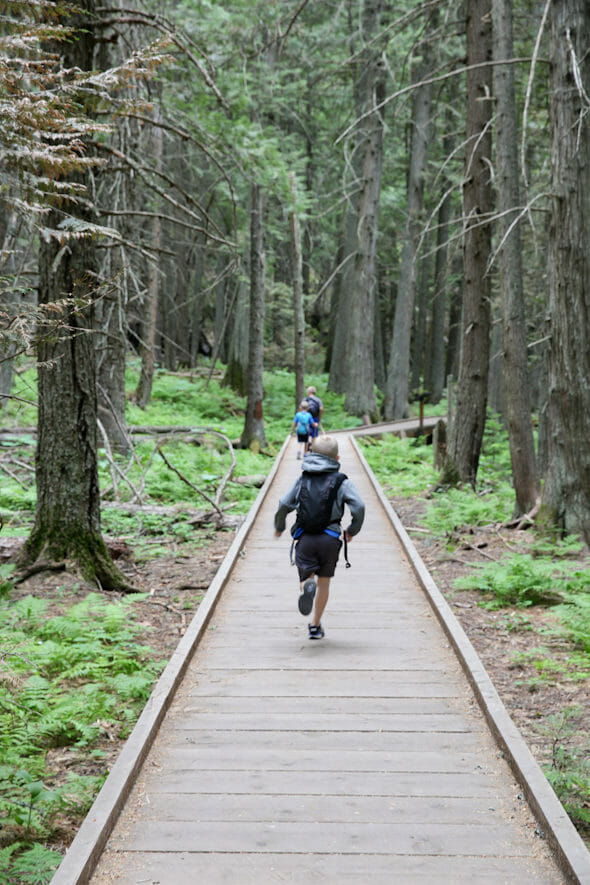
[
  {"x": 304, "y": 405},
  {"x": 325, "y": 445}
]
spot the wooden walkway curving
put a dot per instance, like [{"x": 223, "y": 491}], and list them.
[{"x": 361, "y": 758}]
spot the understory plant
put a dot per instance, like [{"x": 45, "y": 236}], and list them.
[
  {"x": 67, "y": 677},
  {"x": 76, "y": 672},
  {"x": 536, "y": 570},
  {"x": 569, "y": 769}
]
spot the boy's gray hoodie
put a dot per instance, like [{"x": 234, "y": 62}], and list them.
[{"x": 347, "y": 494}]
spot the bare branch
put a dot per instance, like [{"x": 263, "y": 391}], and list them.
[{"x": 438, "y": 79}]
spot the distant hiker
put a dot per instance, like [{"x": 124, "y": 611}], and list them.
[
  {"x": 303, "y": 425},
  {"x": 316, "y": 410},
  {"x": 319, "y": 496}
]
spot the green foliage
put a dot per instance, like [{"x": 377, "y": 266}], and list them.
[
  {"x": 517, "y": 580},
  {"x": 569, "y": 771},
  {"x": 556, "y": 549},
  {"x": 457, "y": 509},
  {"x": 28, "y": 864},
  {"x": 402, "y": 466},
  {"x": 6, "y": 570},
  {"x": 575, "y": 613},
  {"x": 189, "y": 400},
  {"x": 549, "y": 667},
  {"x": 65, "y": 678},
  {"x": 548, "y": 573}
]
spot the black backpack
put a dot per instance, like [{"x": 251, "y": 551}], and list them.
[
  {"x": 317, "y": 494},
  {"x": 314, "y": 406}
]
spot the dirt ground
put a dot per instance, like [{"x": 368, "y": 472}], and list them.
[{"x": 176, "y": 581}]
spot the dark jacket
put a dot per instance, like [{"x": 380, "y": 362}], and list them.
[{"x": 347, "y": 494}]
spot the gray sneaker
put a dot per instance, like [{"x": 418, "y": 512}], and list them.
[{"x": 307, "y": 596}]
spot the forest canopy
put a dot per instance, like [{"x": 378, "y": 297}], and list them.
[{"x": 395, "y": 194}]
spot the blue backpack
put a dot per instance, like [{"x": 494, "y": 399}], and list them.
[{"x": 303, "y": 426}]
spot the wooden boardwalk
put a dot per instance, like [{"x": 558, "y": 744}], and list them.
[{"x": 362, "y": 758}]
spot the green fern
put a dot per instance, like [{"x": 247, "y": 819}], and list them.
[
  {"x": 569, "y": 771},
  {"x": 517, "y": 580},
  {"x": 457, "y": 510},
  {"x": 28, "y": 865}
]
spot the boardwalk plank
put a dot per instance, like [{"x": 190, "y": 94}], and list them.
[
  {"x": 330, "y": 838},
  {"x": 393, "y": 784},
  {"x": 362, "y": 809},
  {"x": 232, "y": 741},
  {"x": 331, "y": 708},
  {"x": 278, "y": 758},
  {"x": 333, "y": 684},
  {"x": 200, "y": 720},
  {"x": 184, "y": 868}
]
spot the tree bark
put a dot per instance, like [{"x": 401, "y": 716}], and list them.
[
  {"x": 566, "y": 493},
  {"x": 466, "y": 433},
  {"x": 253, "y": 435},
  {"x": 236, "y": 370},
  {"x": 352, "y": 367},
  {"x": 518, "y": 401},
  {"x": 395, "y": 404},
  {"x": 419, "y": 361},
  {"x": 8, "y": 297},
  {"x": 111, "y": 353},
  {"x": 67, "y": 517},
  {"x": 298, "y": 317},
  {"x": 360, "y": 376},
  {"x": 148, "y": 346},
  {"x": 339, "y": 302},
  {"x": 436, "y": 377}
]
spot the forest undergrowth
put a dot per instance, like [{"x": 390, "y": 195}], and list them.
[
  {"x": 522, "y": 596},
  {"x": 77, "y": 664}
]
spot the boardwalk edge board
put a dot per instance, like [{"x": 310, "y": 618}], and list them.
[
  {"x": 83, "y": 854},
  {"x": 570, "y": 850}
]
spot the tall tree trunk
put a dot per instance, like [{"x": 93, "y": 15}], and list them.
[
  {"x": 419, "y": 359},
  {"x": 339, "y": 303},
  {"x": 360, "y": 376},
  {"x": 8, "y": 297},
  {"x": 395, "y": 404},
  {"x": 378, "y": 343},
  {"x": 566, "y": 493},
  {"x": 148, "y": 337},
  {"x": 496, "y": 381},
  {"x": 466, "y": 433},
  {"x": 236, "y": 371},
  {"x": 67, "y": 517},
  {"x": 111, "y": 353},
  {"x": 436, "y": 378},
  {"x": 453, "y": 352},
  {"x": 298, "y": 317},
  {"x": 253, "y": 436},
  {"x": 352, "y": 367},
  {"x": 518, "y": 401}
]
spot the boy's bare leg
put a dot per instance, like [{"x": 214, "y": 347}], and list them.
[{"x": 321, "y": 600}]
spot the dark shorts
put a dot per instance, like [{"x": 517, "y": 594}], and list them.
[
  {"x": 302, "y": 437},
  {"x": 317, "y": 555},
  {"x": 313, "y": 431}
]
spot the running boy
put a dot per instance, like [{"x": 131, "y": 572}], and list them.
[{"x": 316, "y": 553}]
